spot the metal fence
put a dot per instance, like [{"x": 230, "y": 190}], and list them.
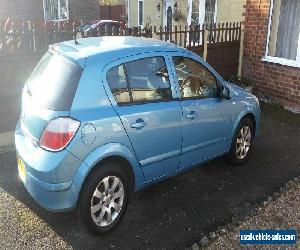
[
  {"x": 218, "y": 43},
  {"x": 30, "y": 37}
]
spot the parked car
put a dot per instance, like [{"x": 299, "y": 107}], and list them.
[
  {"x": 109, "y": 115},
  {"x": 100, "y": 28}
]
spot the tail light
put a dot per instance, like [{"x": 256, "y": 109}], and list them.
[{"x": 58, "y": 133}]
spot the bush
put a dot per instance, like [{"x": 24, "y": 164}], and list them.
[{"x": 241, "y": 81}]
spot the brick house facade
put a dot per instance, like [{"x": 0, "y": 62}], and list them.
[
  {"x": 275, "y": 77},
  {"x": 21, "y": 10}
]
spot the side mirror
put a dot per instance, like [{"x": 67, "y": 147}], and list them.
[{"x": 225, "y": 93}]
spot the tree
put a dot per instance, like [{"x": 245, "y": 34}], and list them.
[{"x": 110, "y": 2}]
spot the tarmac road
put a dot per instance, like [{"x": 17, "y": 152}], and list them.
[{"x": 172, "y": 214}]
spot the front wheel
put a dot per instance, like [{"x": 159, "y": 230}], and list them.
[
  {"x": 104, "y": 198},
  {"x": 241, "y": 143}
]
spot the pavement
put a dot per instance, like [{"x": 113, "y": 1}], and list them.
[
  {"x": 282, "y": 212},
  {"x": 173, "y": 214},
  {"x": 10, "y": 109}
]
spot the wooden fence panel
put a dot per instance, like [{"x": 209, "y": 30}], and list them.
[{"x": 224, "y": 58}]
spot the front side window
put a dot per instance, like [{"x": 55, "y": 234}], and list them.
[
  {"x": 56, "y": 10},
  {"x": 144, "y": 80},
  {"x": 195, "y": 81},
  {"x": 284, "y": 38}
]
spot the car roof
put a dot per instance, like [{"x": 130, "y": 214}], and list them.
[
  {"x": 111, "y": 48},
  {"x": 103, "y": 21}
]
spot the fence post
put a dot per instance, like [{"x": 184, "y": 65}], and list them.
[
  {"x": 33, "y": 37},
  {"x": 205, "y": 44},
  {"x": 29, "y": 40},
  {"x": 241, "y": 53}
]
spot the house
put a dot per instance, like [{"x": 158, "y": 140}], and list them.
[
  {"x": 272, "y": 49},
  {"x": 49, "y": 10},
  {"x": 145, "y": 13}
]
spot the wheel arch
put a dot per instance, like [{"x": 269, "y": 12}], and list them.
[
  {"x": 252, "y": 118},
  {"x": 117, "y": 159},
  {"x": 246, "y": 114},
  {"x": 110, "y": 152}
]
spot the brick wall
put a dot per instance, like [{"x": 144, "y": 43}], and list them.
[
  {"x": 280, "y": 83},
  {"x": 23, "y": 10},
  {"x": 115, "y": 12},
  {"x": 84, "y": 10}
]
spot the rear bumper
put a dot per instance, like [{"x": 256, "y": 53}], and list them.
[
  {"x": 48, "y": 176},
  {"x": 53, "y": 197}
]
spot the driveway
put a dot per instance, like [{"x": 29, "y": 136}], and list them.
[{"x": 172, "y": 214}]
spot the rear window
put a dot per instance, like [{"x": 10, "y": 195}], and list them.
[{"x": 54, "y": 81}]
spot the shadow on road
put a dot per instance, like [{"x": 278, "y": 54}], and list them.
[{"x": 177, "y": 212}]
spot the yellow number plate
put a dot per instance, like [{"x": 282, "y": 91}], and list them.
[{"x": 22, "y": 169}]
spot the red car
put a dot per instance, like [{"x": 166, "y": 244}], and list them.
[{"x": 100, "y": 28}]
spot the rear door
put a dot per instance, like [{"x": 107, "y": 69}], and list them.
[{"x": 140, "y": 91}]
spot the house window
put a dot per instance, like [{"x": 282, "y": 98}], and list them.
[
  {"x": 141, "y": 12},
  {"x": 195, "y": 12},
  {"x": 284, "y": 32},
  {"x": 210, "y": 9},
  {"x": 202, "y": 11},
  {"x": 56, "y": 10}
]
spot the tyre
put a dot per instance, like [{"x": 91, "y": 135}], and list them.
[
  {"x": 241, "y": 143},
  {"x": 104, "y": 198}
]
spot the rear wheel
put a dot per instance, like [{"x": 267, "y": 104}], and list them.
[
  {"x": 241, "y": 143},
  {"x": 104, "y": 198}
]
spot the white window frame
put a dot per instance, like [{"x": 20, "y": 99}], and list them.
[
  {"x": 141, "y": 25},
  {"x": 128, "y": 14},
  {"x": 279, "y": 60},
  {"x": 201, "y": 11},
  {"x": 58, "y": 9}
]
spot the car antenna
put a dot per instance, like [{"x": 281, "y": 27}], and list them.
[
  {"x": 75, "y": 31},
  {"x": 75, "y": 40}
]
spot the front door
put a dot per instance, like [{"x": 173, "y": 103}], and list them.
[
  {"x": 142, "y": 96},
  {"x": 206, "y": 127}
]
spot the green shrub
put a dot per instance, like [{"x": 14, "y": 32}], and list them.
[{"x": 241, "y": 81}]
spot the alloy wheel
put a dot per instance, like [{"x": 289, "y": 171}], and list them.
[
  {"x": 107, "y": 201},
  {"x": 243, "y": 142}
]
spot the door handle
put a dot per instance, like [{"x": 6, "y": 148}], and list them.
[
  {"x": 139, "y": 124},
  {"x": 192, "y": 115}
]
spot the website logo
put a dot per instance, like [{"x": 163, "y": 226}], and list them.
[{"x": 268, "y": 236}]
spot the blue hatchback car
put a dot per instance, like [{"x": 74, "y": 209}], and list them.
[{"x": 104, "y": 116}]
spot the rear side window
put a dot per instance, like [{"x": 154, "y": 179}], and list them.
[
  {"x": 53, "y": 82},
  {"x": 144, "y": 80}
]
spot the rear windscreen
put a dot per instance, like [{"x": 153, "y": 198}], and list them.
[{"x": 53, "y": 82}]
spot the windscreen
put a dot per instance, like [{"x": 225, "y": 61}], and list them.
[{"x": 53, "y": 82}]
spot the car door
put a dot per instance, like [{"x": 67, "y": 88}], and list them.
[
  {"x": 206, "y": 126},
  {"x": 142, "y": 95}
]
